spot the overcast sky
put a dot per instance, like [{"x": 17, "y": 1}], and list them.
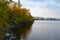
[{"x": 43, "y": 8}]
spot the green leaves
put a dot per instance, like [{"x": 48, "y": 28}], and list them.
[
  {"x": 1, "y": 17},
  {"x": 11, "y": 16}
]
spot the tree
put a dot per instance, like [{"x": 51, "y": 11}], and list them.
[{"x": 12, "y": 16}]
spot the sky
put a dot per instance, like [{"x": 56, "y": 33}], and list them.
[{"x": 43, "y": 8}]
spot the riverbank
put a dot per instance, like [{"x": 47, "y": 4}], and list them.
[
  {"x": 12, "y": 16},
  {"x": 18, "y": 30}
]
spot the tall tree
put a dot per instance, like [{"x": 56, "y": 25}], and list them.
[
  {"x": 19, "y": 4},
  {"x": 10, "y": 0}
]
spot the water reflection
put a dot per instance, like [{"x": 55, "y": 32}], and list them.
[{"x": 22, "y": 32}]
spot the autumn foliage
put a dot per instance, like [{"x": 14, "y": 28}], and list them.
[{"x": 11, "y": 16}]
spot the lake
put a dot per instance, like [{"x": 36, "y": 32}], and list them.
[
  {"x": 39, "y": 30},
  {"x": 45, "y": 30}
]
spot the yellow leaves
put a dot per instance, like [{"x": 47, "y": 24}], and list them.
[
  {"x": 3, "y": 1},
  {"x": 11, "y": 16}
]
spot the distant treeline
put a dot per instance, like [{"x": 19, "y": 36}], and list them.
[{"x": 42, "y": 18}]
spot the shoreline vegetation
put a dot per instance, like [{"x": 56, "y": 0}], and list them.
[{"x": 11, "y": 14}]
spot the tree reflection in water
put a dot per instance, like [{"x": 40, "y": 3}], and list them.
[{"x": 22, "y": 32}]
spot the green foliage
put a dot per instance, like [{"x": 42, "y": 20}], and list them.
[{"x": 14, "y": 15}]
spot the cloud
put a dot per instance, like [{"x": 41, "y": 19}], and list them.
[
  {"x": 46, "y": 3},
  {"x": 58, "y": 1},
  {"x": 45, "y": 8},
  {"x": 45, "y": 12}
]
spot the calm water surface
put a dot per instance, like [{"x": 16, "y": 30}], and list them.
[
  {"x": 45, "y": 30},
  {"x": 40, "y": 30}
]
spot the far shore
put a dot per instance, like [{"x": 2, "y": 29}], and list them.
[{"x": 48, "y": 20}]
